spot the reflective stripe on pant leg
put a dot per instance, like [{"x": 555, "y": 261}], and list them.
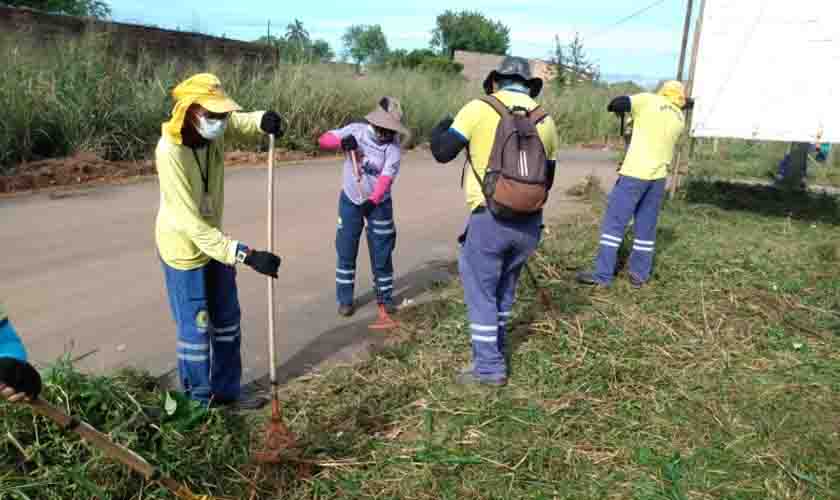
[
  {"x": 382, "y": 239},
  {"x": 480, "y": 265},
  {"x": 187, "y": 296},
  {"x": 350, "y": 225},
  {"x": 644, "y": 230},
  {"x": 226, "y": 341},
  {"x": 620, "y": 208}
]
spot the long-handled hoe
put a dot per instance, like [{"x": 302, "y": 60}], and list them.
[{"x": 278, "y": 438}]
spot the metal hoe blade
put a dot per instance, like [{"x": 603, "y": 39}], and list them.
[{"x": 383, "y": 321}]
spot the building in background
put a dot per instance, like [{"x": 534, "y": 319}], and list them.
[{"x": 478, "y": 65}]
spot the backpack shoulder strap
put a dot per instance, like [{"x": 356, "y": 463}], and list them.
[
  {"x": 537, "y": 115},
  {"x": 497, "y": 105}
]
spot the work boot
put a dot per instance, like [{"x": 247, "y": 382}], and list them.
[
  {"x": 346, "y": 310},
  {"x": 635, "y": 281},
  {"x": 468, "y": 377},
  {"x": 250, "y": 403},
  {"x": 247, "y": 402},
  {"x": 588, "y": 278}
]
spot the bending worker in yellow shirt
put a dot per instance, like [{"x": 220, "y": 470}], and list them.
[
  {"x": 658, "y": 121},
  {"x": 198, "y": 259}
]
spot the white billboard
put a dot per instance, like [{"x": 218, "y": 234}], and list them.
[{"x": 769, "y": 70}]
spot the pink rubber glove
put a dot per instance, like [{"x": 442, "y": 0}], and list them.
[
  {"x": 329, "y": 142},
  {"x": 380, "y": 189}
]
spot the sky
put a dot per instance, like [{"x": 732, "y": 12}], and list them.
[{"x": 646, "y": 47}]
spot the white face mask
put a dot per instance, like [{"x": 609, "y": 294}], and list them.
[{"x": 211, "y": 129}]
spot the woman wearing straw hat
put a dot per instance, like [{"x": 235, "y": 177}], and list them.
[
  {"x": 371, "y": 166},
  {"x": 198, "y": 258}
]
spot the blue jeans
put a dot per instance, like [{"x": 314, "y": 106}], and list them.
[
  {"x": 640, "y": 200},
  {"x": 205, "y": 306},
  {"x": 490, "y": 263},
  {"x": 381, "y": 239}
]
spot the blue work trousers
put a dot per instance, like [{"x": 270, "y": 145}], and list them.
[
  {"x": 205, "y": 306},
  {"x": 381, "y": 239},
  {"x": 640, "y": 200},
  {"x": 490, "y": 263}
]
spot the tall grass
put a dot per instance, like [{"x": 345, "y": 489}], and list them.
[{"x": 76, "y": 97}]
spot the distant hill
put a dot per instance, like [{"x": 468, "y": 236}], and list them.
[{"x": 646, "y": 81}]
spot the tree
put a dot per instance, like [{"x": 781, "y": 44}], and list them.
[
  {"x": 558, "y": 59},
  {"x": 321, "y": 51},
  {"x": 578, "y": 61},
  {"x": 296, "y": 33},
  {"x": 297, "y": 43},
  {"x": 91, "y": 8},
  {"x": 467, "y": 30},
  {"x": 422, "y": 60},
  {"x": 365, "y": 44},
  {"x": 297, "y": 47}
]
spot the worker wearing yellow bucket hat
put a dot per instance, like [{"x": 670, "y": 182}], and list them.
[
  {"x": 658, "y": 121},
  {"x": 198, "y": 258}
]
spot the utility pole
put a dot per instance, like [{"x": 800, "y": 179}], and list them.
[
  {"x": 695, "y": 49},
  {"x": 683, "y": 50},
  {"x": 271, "y": 43}
]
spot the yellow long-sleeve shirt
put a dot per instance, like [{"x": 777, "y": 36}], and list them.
[
  {"x": 185, "y": 238},
  {"x": 657, "y": 126}
]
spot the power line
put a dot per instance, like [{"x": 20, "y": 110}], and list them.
[{"x": 628, "y": 18}]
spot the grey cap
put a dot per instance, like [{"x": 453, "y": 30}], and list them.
[{"x": 514, "y": 67}]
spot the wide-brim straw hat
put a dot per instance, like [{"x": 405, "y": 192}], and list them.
[{"x": 388, "y": 115}]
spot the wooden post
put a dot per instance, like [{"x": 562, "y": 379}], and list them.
[
  {"x": 675, "y": 165},
  {"x": 683, "y": 50}
]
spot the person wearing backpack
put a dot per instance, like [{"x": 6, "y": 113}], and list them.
[
  {"x": 658, "y": 122},
  {"x": 511, "y": 145}
]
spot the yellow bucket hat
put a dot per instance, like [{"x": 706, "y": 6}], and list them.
[
  {"x": 203, "y": 89},
  {"x": 674, "y": 92}
]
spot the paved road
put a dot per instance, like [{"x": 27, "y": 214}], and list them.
[{"x": 80, "y": 274}]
